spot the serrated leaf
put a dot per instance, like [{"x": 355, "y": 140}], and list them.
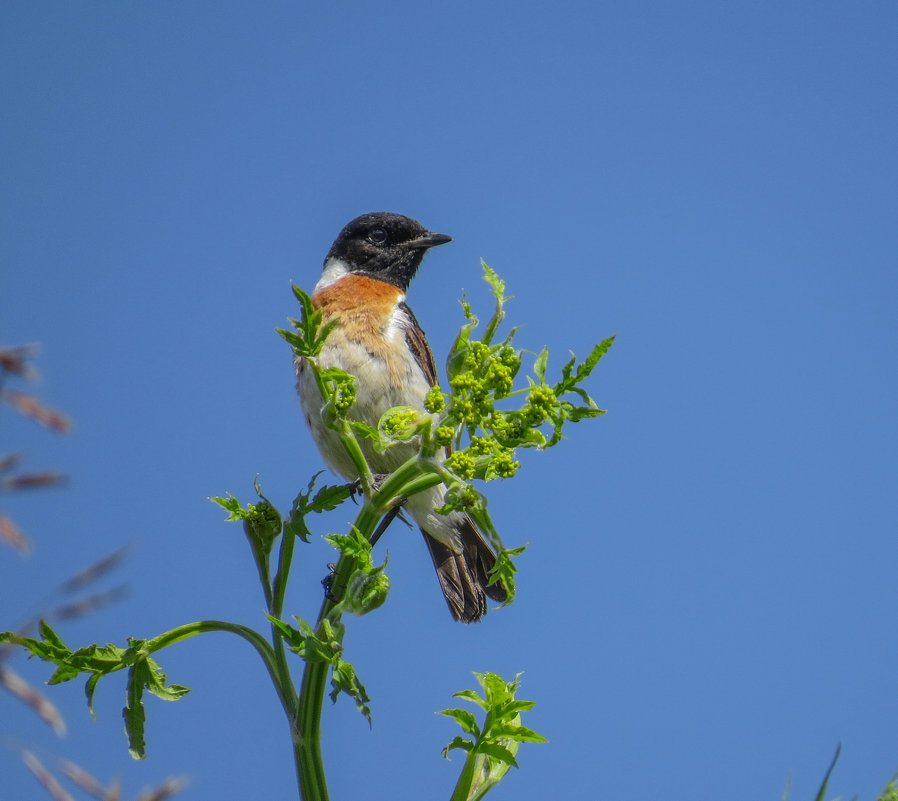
[
  {"x": 231, "y": 505},
  {"x": 156, "y": 683},
  {"x": 354, "y": 545},
  {"x": 470, "y": 695},
  {"x": 498, "y": 753},
  {"x": 577, "y": 413},
  {"x": 50, "y": 636},
  {"x": 329, "y": 497},
  {"x": 494, "y": 686},
  {"x": 513, "y": 707},
  {"x": 492, "y": 278},
  {"x": 290, "y": 634},
  {"x": 326, "y": 499},
  {"x": 457, "y": 742},
  {"x": 593, "y": 359},
  {"x": 518, "y": 733},
  {"x": 497, "y": 285},
  {"x": 464, "y": 718},
  {"x": 569, "y": 378},
  {"x": 345, "y": 680},
  {"x": 134, "y": 714}
]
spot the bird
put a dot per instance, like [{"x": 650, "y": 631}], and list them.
[{"x": 377, "y": 339}]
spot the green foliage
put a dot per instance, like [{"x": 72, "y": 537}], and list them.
[
  {"x": 368, "y": 584},
  {"x": 471, "y": 432},
  {"x": 324, "y": 645},
  {"x": 890, "y": 792},
  {"x": 326, "y": 499},
  {"x": 486, "y": 419},
  {"x": 491, "y": 749},
  {"x": 309, "y": 334},
  {"x": 97, "y": 661}
]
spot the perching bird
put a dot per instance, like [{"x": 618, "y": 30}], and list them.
[{"x": 378, "y": 340}]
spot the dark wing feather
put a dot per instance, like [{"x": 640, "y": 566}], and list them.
[
  {"x": 463, "y": 576},
  {"x": 417, "y": 343}
]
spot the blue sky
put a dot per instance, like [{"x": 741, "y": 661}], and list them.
[{"x": 708, "y": 603}]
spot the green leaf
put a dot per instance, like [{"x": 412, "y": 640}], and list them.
[
  {"x": 577, "y": 413},
  {"x": 352, "y": 544},
  {"x": 294, "y": 340},
  {"x": 520, "y": 734},
  {"x": 570, "y": 379},
  {"x": 512, "y": 708},
  {"x": 63, "y": 673},
  {"x": 457, "y": 742},
  {"x": 329, "y": 497},
  {"x": 495, "y": 687},
  {"x": 364, "y": 430},
  {"x": 464, "y": 718},
  {"x": 231, "y": 505},
  {"x": 497, "y": 285},
  {"x": 471, "y": 695},
  {"x": 156, "y": 683},
  {"x": 539, "y": 366},
  {"x": 89, "y": 690},
  {"x": 505, "y": 569},
  {"x": 134, "y": 713},
  {"x": 309, "y": 335},
  {"x": 290, "y": 634},
  {"x": 344, "y": 680},
  {"x": 498, "y": 753},
  {"x": 50, "y": 636}
]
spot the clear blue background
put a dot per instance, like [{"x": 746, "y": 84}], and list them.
[{"x": 708, "y": 604}]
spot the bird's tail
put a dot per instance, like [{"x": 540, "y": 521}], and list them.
[{"x": 464, "y": 574}]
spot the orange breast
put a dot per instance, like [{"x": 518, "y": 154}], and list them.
[{"x": 365, "y": 307}]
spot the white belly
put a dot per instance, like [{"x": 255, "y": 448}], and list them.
[{"x": 375, "y": 394}]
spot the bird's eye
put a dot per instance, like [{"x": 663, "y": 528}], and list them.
[{"x": 378, "y": 236}]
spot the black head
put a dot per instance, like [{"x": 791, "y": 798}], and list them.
[{"x": 385, "y": 246}]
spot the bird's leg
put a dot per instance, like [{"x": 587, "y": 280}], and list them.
[
  {"x": 384, "y": 524},
  {"x": 358, "y": 488}
]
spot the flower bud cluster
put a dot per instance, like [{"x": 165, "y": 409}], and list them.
[
  {"x": 343, "y": 394},
  {"x": 400, "y": 424}
]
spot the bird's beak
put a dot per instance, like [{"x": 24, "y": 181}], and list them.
[{"x": 429, "y": 240}]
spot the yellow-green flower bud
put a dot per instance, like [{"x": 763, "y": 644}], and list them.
[
  {"x": 444, "y": 435},
  {"x": 503, "y": 465},
  {"x": 434, "y": 402},
  {"x": 400, "y": 424},
  {"x": 462, "y": 464}
]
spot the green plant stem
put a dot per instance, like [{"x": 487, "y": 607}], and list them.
[
  {"x": 260, "y": 557},
  {"x": 307, "y": 739},
  {"x": 191, "y": 629},
  {"x": 273, "y": 657},
  {"x": 466, "y": 779},
  {"x": 262, "y": 646},
  {"x": 413, "y": 476}
]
